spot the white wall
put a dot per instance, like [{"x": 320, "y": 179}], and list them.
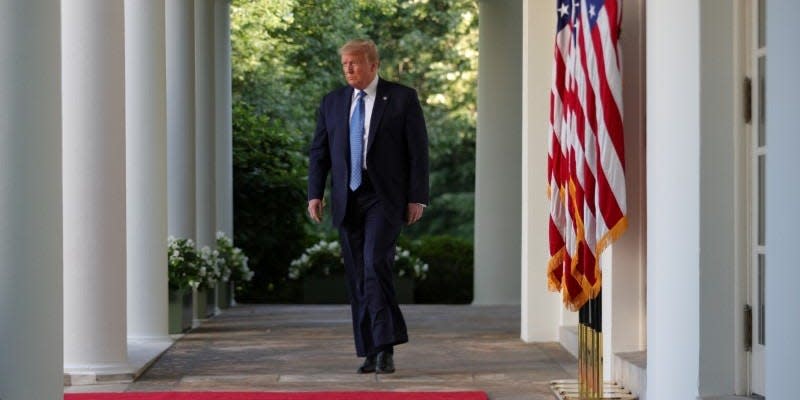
[
  {"x": 673, "y": 207},
  {"x": 498, "y": 156},
  {"x": 540, "y": 307},
  {"x": 624, "y": 263},
  {"x": 783, "y": 192}
]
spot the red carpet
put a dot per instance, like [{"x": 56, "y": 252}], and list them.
[{"x": 279, "y": 396}]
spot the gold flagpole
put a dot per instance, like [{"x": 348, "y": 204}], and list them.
[
  {"x": 598, "y": 366},
  {"x": 582, "y": 359},
  {"x": 593, "y": 362}
]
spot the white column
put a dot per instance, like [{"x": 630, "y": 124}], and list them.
[
  {"x": 673, "y": 199},
  {"x": 205, "y": 131},
  {"x": 146, "y": 168},
  {"x": 31, "y": 314},
  {"x": 224, "y": 132},
  {"x": 93, "y": 65},
  {"x": 783, "y": 190},
  {"x": 540, "y": 308},
  {"x": 498, "y": 156},
  {"x": 205, "y": 121},
  {"x": 224, "y": 119},
  {"x": 180, "y": 118}
]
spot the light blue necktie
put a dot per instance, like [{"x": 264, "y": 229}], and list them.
[{"x": 356, "y": 142}]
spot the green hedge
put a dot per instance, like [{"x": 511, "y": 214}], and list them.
[{"x": 451, "y": 269}]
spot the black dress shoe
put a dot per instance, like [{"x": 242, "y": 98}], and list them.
[
  {"x": 385, "y": 363},
  {"x": 368, "y": 365}
]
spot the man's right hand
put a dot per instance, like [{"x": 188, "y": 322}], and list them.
[{"x": 315, "y": 209}]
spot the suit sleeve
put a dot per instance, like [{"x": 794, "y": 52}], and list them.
[
  {"x": 417, "y": 142},
  {"x": 319, "y": 158}
]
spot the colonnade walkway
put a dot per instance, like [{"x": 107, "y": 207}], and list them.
[{"x": 310, "y": 347}]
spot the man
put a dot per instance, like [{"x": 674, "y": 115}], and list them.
[{"x": 371, "y": 137}]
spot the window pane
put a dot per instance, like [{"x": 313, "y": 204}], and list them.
[
  {"x": 761, "y": 198},
  {"x": 762, "y": 137},
  {"x": 762, "y": 26},
  {"x": 761, "y": 307}
]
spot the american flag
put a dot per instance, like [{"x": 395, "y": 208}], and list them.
[{"x": 586, "y": 159}]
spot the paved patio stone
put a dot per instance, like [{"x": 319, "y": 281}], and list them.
[{"x": 310, "y": 347}]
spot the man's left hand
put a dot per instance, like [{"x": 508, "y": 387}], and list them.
[{"x": 414, "y": 213}]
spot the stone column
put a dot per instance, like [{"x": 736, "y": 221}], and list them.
[
  {"x": 93, "y": 65},
  {"x": 180, "y": 119},
  {"x": 673, "y": 199},
  {"x": 540, "y": 308},
  {"x": 223, "y": 104},
  {"x": 146, "y": 168},
  {"x": 783, "y": 190},
  {"x": 205, "y": 131},
  {"x": 224, "y": 134},
  {"x": 498, "y": 157},
  {"x": 30, "y": 201},
  {"x": 181, "y": 207}
]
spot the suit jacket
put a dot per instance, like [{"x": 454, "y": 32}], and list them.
[{"x": 397, "y": 150}]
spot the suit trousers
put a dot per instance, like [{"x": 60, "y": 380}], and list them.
[{"x": 368, "y": 242}]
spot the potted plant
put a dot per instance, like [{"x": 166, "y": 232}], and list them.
[
  {"x": 183, "y": 276},
  {"x": 233, "y": 266}
]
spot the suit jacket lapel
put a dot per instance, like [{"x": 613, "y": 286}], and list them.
[
  {"x": 347, "y": 99},
  {"x": 381, "y": 98}
]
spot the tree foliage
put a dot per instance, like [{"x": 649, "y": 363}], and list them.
[{"x": 285, "y": 59}]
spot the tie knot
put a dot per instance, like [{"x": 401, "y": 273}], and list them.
[{"x": 360, "y": 94}]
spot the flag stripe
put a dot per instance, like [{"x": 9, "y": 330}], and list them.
[{"x": 586, "y": 159}]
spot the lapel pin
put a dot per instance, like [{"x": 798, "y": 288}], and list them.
[{"x": 384, "y": 98}]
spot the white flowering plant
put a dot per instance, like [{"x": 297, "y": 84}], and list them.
[
  {"x": 408, "y": 265},
  {"x": 324, "y": 258},
  {"x": 189, "y": 268},
  {"x": 232, "y": 260},
  {"x": 210, "y": 270},
  {"x": 183, "y": 263}
]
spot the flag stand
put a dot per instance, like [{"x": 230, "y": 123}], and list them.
[{"x": 590, "y": 384}]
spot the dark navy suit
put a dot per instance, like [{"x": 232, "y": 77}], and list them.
[{"x": 370, "y": 218}]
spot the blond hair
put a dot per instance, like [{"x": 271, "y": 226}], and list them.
[{"x": 361, "y": 46}]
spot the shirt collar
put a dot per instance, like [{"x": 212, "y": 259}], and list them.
[{"x": 371, "y": 89}]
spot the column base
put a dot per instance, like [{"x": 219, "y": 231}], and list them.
[
  {"x": 569, "y": 389},
  {"x": 97, "y": 374},
  {"x": 142, "y": 353}
]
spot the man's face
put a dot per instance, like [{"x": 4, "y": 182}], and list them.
[{"x": 357, "y": 70}]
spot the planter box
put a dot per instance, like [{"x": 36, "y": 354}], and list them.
[
  {"x": 333, "y": 290},
  {"x": 225, "y": 290},
  {"x": 211, "y": 301},
  {"x": 180, "y": 310},
  {"x": 199, "y": 306}
]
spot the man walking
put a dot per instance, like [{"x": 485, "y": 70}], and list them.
[{"x": 371, "y": 137}]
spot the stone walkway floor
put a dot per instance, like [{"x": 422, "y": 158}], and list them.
[{"x": 298, "y": 347}]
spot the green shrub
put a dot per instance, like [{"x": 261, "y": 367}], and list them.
[
  {"x": 450, "y": 272},
  {"x": 269, "y": 169}
]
